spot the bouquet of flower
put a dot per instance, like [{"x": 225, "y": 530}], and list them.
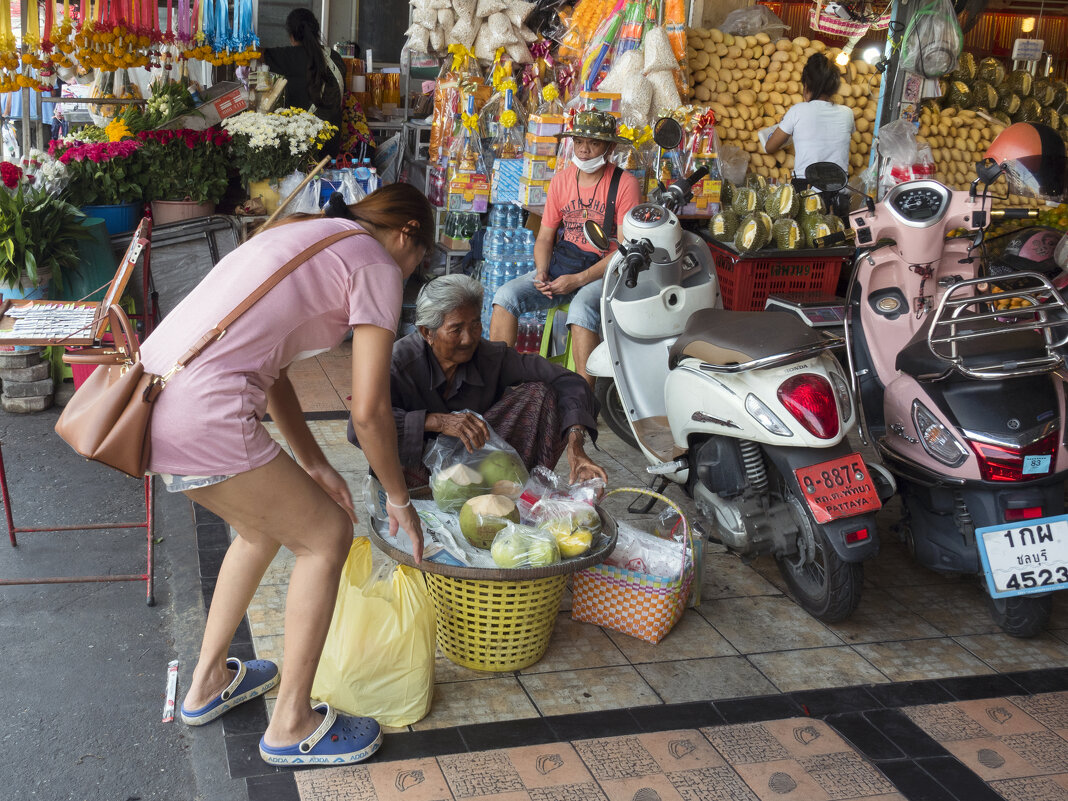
[
  {"x": 45, "y": 172},
  {"x": 185, "y": 164},
  {"x": 101, "y": 173},
  {"x": 264, "y": 146},
  {"x": 39, "y": 231}
]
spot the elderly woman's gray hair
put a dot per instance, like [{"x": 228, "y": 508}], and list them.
[{"x": 444, "y": 295}]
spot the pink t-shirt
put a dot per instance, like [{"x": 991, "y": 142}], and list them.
[
  {"x": 565, "y": 203},
  {"x": 207, "y": 418}
]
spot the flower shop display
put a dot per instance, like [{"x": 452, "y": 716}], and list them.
[
  {"x": 106, "y": 179},
  {"x": 39, "y": 233},
  {"x": 185, "y": 172},
  {"x": 267, "y": 147}
]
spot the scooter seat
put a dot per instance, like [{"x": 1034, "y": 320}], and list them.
[
  {"x": 917, "y": 360},
  {"x": 721, "y": 337}
]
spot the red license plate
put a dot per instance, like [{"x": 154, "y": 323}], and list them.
[{"x": 838, "y": 488}]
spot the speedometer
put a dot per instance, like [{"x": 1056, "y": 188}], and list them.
[{"x": 919, "y": 203}]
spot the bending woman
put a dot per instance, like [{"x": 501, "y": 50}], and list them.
[{"x": 208, "y": 442}]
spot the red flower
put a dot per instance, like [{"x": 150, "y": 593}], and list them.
[{"x": 10, "y": 174}]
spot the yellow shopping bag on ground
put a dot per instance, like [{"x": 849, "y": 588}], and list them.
[{"x": 378, "y": 660}]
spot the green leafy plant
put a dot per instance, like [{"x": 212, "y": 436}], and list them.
[
  {"x": 101, "y": 173},
  {"x": 39, "y": 233},
  {"x": 185, "y": 165}
]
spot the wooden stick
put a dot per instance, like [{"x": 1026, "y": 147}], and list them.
[{"x": 295, "y": 192}]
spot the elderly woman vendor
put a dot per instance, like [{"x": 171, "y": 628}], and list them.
[{"x": 445, "y": 370}]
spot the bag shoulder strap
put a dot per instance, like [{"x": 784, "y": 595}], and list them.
[
  {"x": 610, "y": 205},
  {"x": 217, "y": 332}
]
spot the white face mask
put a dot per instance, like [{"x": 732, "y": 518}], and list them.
[{"x": 588, "y": 165}]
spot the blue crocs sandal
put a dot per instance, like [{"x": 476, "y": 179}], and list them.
[
  {"x": 339, "y": 740},
  {"x": 253, "y": 678}
]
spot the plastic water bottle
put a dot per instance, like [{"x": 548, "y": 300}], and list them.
[{"x": 492, "y": 246}]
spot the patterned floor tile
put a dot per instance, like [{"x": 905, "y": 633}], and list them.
[
  {"x": 999, "y": 716},
  {"x": 1045, "y": 750},
  {"x": 947, "y": 722},
  {"x": 1049, "y": 709},
  {"x": 805, "y": 737},
  {"x": 575, "y": 646},
  {"x": 744, "y": 743},
  {"x": 815, "y": 668},
  {"x": 692, "y": 638},
  {"x": 280, "y": 568},
  {"x": 1034, "y": 788},
  {"x": 761, "y": 624},
  {"x": 549, "y": 765},
  {"x": 445, "y": 671},
  {"x": 611, "y": 758},
  {"x": 910, "y": 660},
  {"x": 992, "y": 758},
  {"x": 647, "y": 788},
  {"x": 485, "y": 701},
  {"x": 705, "y": 679},
  {"x": 685, "y": 749},
  {"x": 726, "y": 576},
  {"x": 588, "y": 690},
  {"x": 956, "y": 609},
  {"x": 486, "y": 774},
  {"x": 711, "y": 784},
  {"x": 894, "y": 567},
  {"x": 880, "y": 618},
  {"x": 786, "y": 780},
  {"x": 266, "y": 613},
  {"x": 1006, "y": 654},
  {"x": 585, "y": 791}
]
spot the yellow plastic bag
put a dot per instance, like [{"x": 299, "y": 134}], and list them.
[{"x": 378, "y": 660}]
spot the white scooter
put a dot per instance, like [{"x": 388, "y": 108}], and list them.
[{"x": 747, "y": 410}]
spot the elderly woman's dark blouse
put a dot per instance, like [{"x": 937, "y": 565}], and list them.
[{"x": 417, "y": 386}]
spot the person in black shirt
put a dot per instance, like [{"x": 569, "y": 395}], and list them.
[{"x": 315, "y": 74}]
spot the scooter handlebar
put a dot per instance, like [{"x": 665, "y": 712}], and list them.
[{"x": 1013, "y": 214}]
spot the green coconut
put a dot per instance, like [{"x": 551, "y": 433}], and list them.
[
  {"x": 483, "y": 516},
  {"x": 455, "y": 485},
  {"x": 504, "y": 472}
]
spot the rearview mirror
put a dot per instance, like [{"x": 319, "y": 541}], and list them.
[
  {"x": 826, "y": 176},
  {"x": 667, "y": 133},
  {"x": 595, "y": 235},
  {"x": 988, "y": 170}
]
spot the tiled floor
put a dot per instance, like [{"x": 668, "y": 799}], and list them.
[{"x": 747, "y": 639}]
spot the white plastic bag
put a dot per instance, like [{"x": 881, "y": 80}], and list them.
[
  {"x": 933, "y": 40},
  {"x": 308, "y": 199},
  {"x": 642, "y": 552},
  {"x": 753, "y": 20}
]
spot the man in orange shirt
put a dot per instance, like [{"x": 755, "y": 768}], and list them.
[{"x": 568, "y": 269}]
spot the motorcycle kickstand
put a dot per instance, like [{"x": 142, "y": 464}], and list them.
[{"x": 643, "y": 504}]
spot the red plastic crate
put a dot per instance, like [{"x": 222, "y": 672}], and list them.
[{"x": 746, "y": 281}]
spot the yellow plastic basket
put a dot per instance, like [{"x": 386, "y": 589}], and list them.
[{"x": 495, "y": 625}]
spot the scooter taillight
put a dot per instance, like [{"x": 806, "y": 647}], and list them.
[
  {"x": 810, "y": 399},
  {"x": 998, "y": 463}
]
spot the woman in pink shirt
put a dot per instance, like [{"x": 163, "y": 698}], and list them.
[{"x": 208, "y": 441}]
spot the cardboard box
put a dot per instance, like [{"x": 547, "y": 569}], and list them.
[
  {"x": 539, "y": 168},
  {"x": 505, "y": 185},
  {"x": 224, "y": 99},
  {"x": 533, "y": 193},
  {"x": 540, "y": 145},
  {"x": 469, "y": 192},
  {"x": 602, "y": 101},
  {"x": 545, "y": 124}
]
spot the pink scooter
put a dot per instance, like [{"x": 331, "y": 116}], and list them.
[{"x": 962, "y": 388}]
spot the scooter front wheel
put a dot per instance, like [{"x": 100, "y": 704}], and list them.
[
  {"x": 612, "y": 411},
  {"x": 824, "y": 586}
]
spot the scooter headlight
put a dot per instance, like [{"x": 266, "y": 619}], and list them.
[
  {"x": 766, "y": 417},
  {"x": 936, "y": 437},
  {"x": 841, "y": 391}
]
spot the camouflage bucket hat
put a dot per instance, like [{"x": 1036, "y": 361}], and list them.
[{"x": 594, "y": 125}]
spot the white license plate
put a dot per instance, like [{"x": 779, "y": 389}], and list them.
[{"x": 1026, "y": 557}]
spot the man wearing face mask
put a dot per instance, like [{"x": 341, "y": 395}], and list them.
[{"x": 568, "y": 269}]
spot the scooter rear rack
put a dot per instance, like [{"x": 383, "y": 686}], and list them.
[{"x": 967, "y": 312}]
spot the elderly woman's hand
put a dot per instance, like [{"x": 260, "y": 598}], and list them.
[
  {"x": 583, "y": 468},
  {"x": 467, "y": 427}
]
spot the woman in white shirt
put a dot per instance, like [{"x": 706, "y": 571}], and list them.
[{"x": 820, "y": 128}]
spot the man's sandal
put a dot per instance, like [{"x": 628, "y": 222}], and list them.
[
  {"x": 339, "y": 740},
  {"x": 251, "y": 679}
]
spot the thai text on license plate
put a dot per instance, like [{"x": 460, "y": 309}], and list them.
[
  {"x": 1026, "y": 557},
  {"x": 838, "y": 488}
]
